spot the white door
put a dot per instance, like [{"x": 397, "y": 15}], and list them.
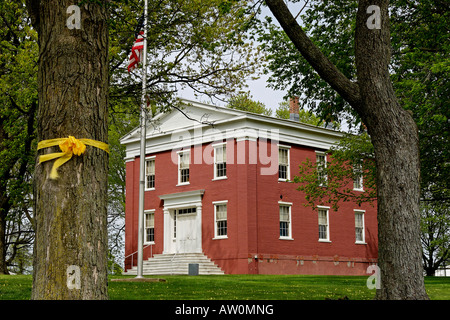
[
  {"x": 186, "y": 236},
  {"x": 186, "y": 232}
]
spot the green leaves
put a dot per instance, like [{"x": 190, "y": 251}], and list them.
[
  {"x": 330, "y": 25},
  {"x": 244, "y": 102},
  {"x": 351, "y": 157},
  {"x": 420, "y": 67},
  {"x": 18, "y": 108},
  {"x": 201, "y": 45}
]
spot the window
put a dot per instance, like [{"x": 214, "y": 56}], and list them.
[
  {"x": 150, "y": 174},
  {"x": 357, "y": 178},
  {"x": 283, "y": 163},
  {"x": 187, "y": 211},
  {"x": 220, "y": 161},
  {"x": 321, "y": 160},
  {"x": 324, "y": 230},
  {"x": 175, "y": 224},
  {"x": 359, "y": 226},
  {"x": 183, "y": 167},
  {"x": 285, "y": 221},
  {"x": 149, "y": 227},
  {"x": 220, "y": 219}
]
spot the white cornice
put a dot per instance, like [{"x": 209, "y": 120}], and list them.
[
  {"x": 182, "y": 199},
  {"x": 237, "y": 125},
  {"x": 179, "y": 195}
]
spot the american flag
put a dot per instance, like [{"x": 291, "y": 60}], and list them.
[{"x": 136, "y": 51}]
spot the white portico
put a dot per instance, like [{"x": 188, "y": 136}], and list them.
[{"x": 183, "y": 222}]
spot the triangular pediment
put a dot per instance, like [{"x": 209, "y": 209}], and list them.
[
  {"x": 197, "y": 123},
  {"x": 191, "y": 114},
  {"x": 188, "y": 115}
]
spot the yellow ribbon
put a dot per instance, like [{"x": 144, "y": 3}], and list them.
[{"x": 69, "y": 146}]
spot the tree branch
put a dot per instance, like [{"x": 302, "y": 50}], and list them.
[
  {"x": 306, "y": 3},
  {"x": 322, "y": 65},
  {"x": 209, "y": 123}
]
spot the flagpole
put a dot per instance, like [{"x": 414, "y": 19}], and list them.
[{"x": 140, "y": 263}]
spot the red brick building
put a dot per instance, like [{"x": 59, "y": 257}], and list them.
[{"x": 219, "y": 187}]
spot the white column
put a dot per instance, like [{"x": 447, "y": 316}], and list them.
[
  {"x": 167, "y": 233},
  {"x": 199, "y": 228}
]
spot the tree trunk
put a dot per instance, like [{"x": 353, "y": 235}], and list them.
[
  {"x": 430, "y": 271},
  {"x": 4, "y": 205},
  {"x": 3, "y": 265},
  {"x": 396, "y": 144},
  {"x": 70, "y": 250},
  {"x": 395, "y": 139}
]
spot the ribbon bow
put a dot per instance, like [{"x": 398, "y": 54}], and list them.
[{"x": 69, "y": 146}]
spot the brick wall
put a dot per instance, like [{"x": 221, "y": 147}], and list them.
[{"x": 253, "y": 217}]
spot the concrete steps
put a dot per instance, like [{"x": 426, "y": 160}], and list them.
[{"x": 171, "y": 264}]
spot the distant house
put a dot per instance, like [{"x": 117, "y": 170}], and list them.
[{"x": 220, "y": 194}]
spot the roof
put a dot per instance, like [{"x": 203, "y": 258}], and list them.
[{"x": 200, "y": 123}]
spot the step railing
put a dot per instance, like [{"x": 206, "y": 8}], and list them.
[
  {"x": 171, "y": 262},
  {"x": 132, "y": 254}
]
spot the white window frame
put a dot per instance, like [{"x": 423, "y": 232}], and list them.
[
  {"x": 288, "y": 168},
  {"x": 325, "y": 176},
  {"x": 174, "y": 226},
  {"x": 179, "y": 153},
  {"x": 362, "y": 213},
  {"x": 357, "y": 172},
  {"x": 188, "y": 211},
  {"x": 215, "y": 204},
  {"x": 215, "y": 147},
  {"x": 288, "y": 205},
  {"x": 148, "y": 159},
  {"x": 146, "y": 212},
  {"x": 327, "y": 209}
]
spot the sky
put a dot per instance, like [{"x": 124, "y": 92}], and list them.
[
  {"x": 258, "y": 92},
  {"x": 258, "y": 88}
]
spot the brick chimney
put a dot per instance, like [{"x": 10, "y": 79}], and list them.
[{"x": 294, "y": 109}]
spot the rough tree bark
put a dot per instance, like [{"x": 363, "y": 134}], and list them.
[
  {"x": 394, "y": 136},
  {"x": 3, "y": 207},
  {"x": 70, "y": 252}
]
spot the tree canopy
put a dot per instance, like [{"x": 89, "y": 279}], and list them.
[
  {"x": 204, "y": 46},
  {"x": 18, "y": 108},
  {"x": 419, "y": 71},
  {"x": 244, "y": 102},
  {"x": 371, "y": 96}
]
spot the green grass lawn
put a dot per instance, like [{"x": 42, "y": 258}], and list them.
[
  {"x": 233, "y": 287},
  {"x": 244, "y": 287}
]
